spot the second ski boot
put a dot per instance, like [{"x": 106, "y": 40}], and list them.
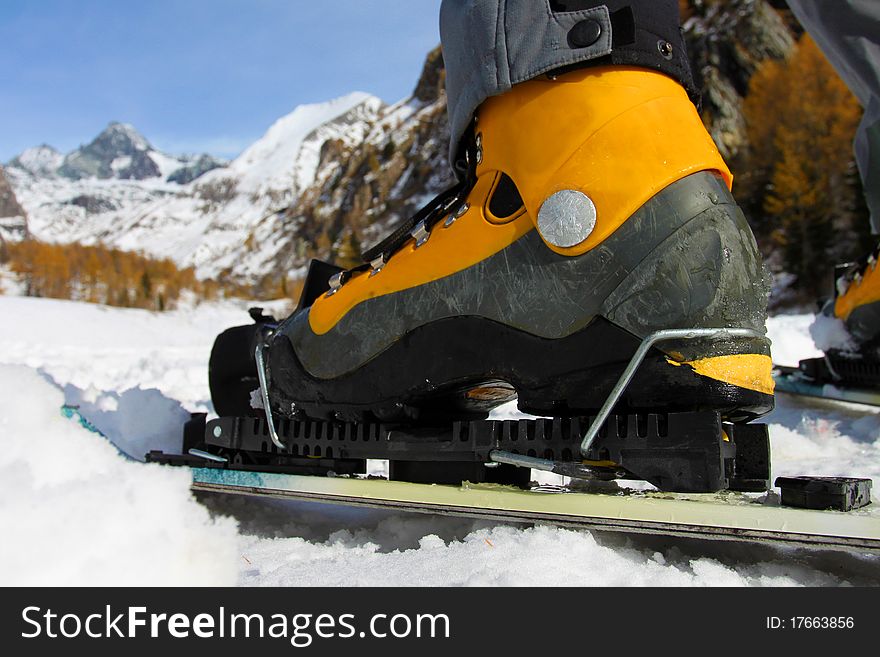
[
  {"x": 852, "y": 351},
  {"x": 594, "y": 210},
  {"x": 857, "y": 299}
]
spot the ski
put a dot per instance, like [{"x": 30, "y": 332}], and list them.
[
  {"x": 449, "y": 471},
  {"x": 587, "y": 504},
  {"x": 794, "y": 381},
  {"x": 716, "y": 516}
]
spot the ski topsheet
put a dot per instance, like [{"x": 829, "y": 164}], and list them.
[
  {"x": 790, "y": 380},
  {"x": 719, "y": 516}
]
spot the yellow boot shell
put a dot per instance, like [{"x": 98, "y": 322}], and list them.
[{"x": 618, "y": 135}]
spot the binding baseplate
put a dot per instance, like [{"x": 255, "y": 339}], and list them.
[{"x": 684, "y": 452}]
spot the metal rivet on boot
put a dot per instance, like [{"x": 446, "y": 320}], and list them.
[
  {"x": 665, "y": 49},
  {"x": 420, "y": 233},
  {"x": 479, "y": 141},
  {"x": 584, "y": 34},
  {"x": 566, "y": 218}
]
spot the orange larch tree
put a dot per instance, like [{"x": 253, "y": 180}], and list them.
[{"x": 802, "y": 119}]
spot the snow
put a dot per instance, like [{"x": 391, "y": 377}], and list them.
[
  {"x": 813, "y": 436},
  {"x": 830, "y": 333},
  {"x": 791, "y": 339},
  {"x": 121, "y": 163},
  {"x": 166, "y": 163},
  {"x": 40, "y": 160},
  {"x": 75, "y": 513},
  {"x": 12, "y": 228},
  {"x": 138, "y": 419},
  {"x": 827, "y": 439},
  {"x": 492, "y": 556},
  {"x": 10, "y": 283},
  {"x": 135, "y": 374},
  {"x": 266, "y": 164},
  {"x": 99, "y": 348}
]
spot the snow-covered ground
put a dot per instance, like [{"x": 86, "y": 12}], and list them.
[{"x": 75, "y": 511}]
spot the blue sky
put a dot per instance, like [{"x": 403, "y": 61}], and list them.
[{"x": 196, "y": 75}]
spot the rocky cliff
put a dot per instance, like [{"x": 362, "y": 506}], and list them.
[
  {"x": 13, "y": 221},
  {"x": 727, "y": 41}
]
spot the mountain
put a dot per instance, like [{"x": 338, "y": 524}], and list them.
[
  {"x": 226, "y": 222},
  {"x": 194, "y": 168},
  {"x": 13, "y": 221},
  {"x": 330, "y": 179},
  {"x": 727, "y": 40},
  {"x": 361, "y": 189},
  {"x": 41, "y": 160},
  {"x": 120, "y": 152},
  {"x": 193, "y": 211}
]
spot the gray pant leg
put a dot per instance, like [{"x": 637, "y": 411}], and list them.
[
  {"x": 491, "y": 45},
  {"x": 848, "y": 32}
]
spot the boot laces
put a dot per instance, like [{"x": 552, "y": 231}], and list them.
[{"x": 419, "y": 225}]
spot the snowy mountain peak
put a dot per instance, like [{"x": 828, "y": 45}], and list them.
[
  {"x": 267, "y": 163},
  {"x": 126, "y": 135},
  {"x": 42, "y": 160},
  {"x": 119, "y": 151}
]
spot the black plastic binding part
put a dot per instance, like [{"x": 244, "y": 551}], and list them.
[
  {"x": 682, "y": 452},
  {"x": 838, "y": 493}
]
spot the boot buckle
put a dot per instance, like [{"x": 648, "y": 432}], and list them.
[
  {"x": 420, "y": 233},
  {"x": 456, "y": 215},
  {"x": 336, "y": 282},
  {"x": 377, "y": 264}
]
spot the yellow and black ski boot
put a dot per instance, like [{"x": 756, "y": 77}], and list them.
[
  {"x": 594, "y": 210},
  {"x": 857, "y": 299},
  {"x": 851, "y": 344}
]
